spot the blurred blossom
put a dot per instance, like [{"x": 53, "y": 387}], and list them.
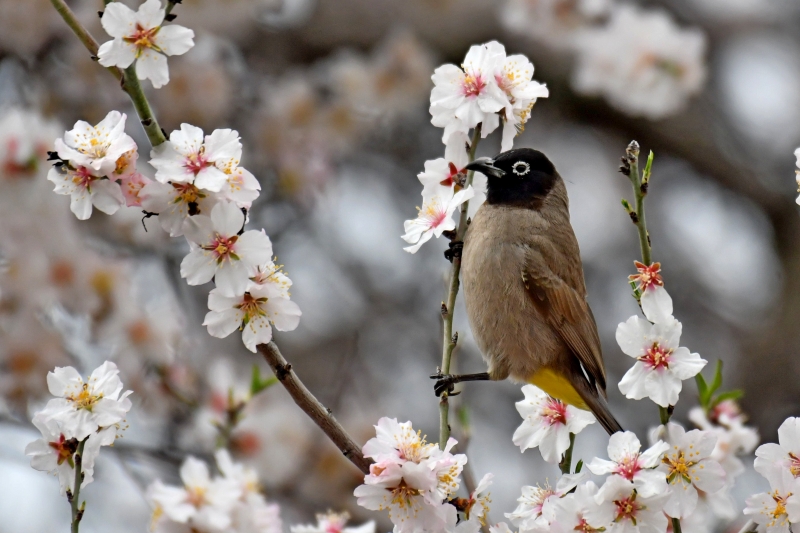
[
  {"x": 555, "y": 23},
  {"x": 641, "y": 62},
  {"x": 286, "y": 13},
  {"x": 25, "y": 138},
  {"x": 334, "y": 523}
]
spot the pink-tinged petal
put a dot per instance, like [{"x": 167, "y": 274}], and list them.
[
  {"x": 254, "y": 247},
  {"x": 198, "y": 267},
  {"x": 153, "y": 66},
  {"x": 283, "y": 313},
  {"x": 150, "y": 14},
  {"x": 174, "y": 40},
  {"x": 211, "y": 179},
  {"x": 227, "y": 219},
  {"x": 657, "y": 304},
  {"x": 684, "y": 365},
  {"x": 631, "y": 336},
  {"x": 222, "y": 323},
  {"x": 223, "y": 144},
  {"x": 107, "y": 196},
  {"x": 118, "y": 20},
  {"x": 116, "y": 53},
  {"x": 257, "y": 331}
]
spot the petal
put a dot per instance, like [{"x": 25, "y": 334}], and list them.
[
  {"x": 632, "y": 336},
  {"x": 233, "y": 278},
  {"x": 623, "y": 445},
  {"x": 150, "y": 14},
  {"x": 663, "y": 387},
  {"x": 199, "y": 229},
  {"x": 198, "y": 267},
  {"x": 682, "y": 501},
  {"x": 283, "y": 313},
  {"x": 153, "y": 66},
  {"x": 116, "y": 53},
  {"x": 657, "y": 304},
  {"x": 254, "y": 247},
  {"x": 633, "y": 383},
  {"x": 223, "y": 144},
  {"x": 211, "y": 179},
  {"x": 194, "y": 473},
  {"x": 174, "y": 40},
  {"x": 257, "y": 331},
  {"x": 118, "y": 20},
  {"x": 222, "y": 323},
  {"x": 107, "y": 196},
  {"x": 227, "y": 219},
  {"x": 684, "y": 364}
]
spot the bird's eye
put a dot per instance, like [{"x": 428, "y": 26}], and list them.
[{"x": 521, "y": 168}]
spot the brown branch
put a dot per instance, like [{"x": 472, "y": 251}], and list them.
[{"x": 322, "y": 416}]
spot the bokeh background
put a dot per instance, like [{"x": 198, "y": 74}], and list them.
[{"x": 331, "y": 100}]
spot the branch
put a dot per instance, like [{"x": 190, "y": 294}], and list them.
[
  {"x": 449, "y": 341},
  {"x": 322, "y": 416}
]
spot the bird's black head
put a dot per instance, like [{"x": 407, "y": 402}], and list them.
[{"x": 522, "y": 177}]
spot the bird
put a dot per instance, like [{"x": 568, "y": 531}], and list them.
[{"x": 524, "y": 288}]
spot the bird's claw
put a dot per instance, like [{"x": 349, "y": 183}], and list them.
[
  {"x": 444, "y": 384},
  {"x": 454, "y": 250}
]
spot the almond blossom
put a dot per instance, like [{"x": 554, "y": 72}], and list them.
[
  {"x": 514, "y": 76},
  {"x": 139, "y": 36},
  {"x": 636, "y": 467},
  {"x": 630, "y": 511},
  {"x": 656, "y": 302},
  {"x": 434, "y": 218},
  {"x": 219, "y": 251},
  {"x": 777, "y": 510},
  {"x": 86, "y": 188},
  {"x": 96, "y": 147},
  {"x": 331, "y": 522},
  {"x": 132, "y": 187},
  {"x": 572, "y": 509},
  {"x": 772, "y": 460},
  {"x": 254, "y": 313},
  {"x": 81, "y": 407},
  {"x": 689, "y": 468},
  {"x": 661, "y": 364},
  {"x": 444, "y": 176},
  {"x": 536, "y": 507},
  {"x": 252, "y": 513},
  {"x": 174, "y": 203},
  {"x": 547, "y": 423},
  {"x": 206, "y": 162}
]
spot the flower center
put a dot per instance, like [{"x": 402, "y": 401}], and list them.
[
  {"x": 554, "y": 412},
  {"x": 433, "y": 213},
  {"x": 251, "y": 307},
  {"x": 627, "y": 509},
  {"x": 196, "y": 496},
  {"x": 188, "y": 194},
  {"x": 82, "y": 177},
  {"x": 647, "y": 276},
  {"x": 628, "y": 467},
  {"x": 794, "y": 465},
  {"x": 223, "y": 247},
  {"x": 779, "y": 513},
  {"x": 65, "y": 449},
  {"x": 451, "y": 178},
  {"x": 84, "y": 399},
  {"x": 196, "y": 162},
  {"x": 678, "y": 467},
  {"x": 473, "y": 85},
  {"x": 656, "y": 357},
  {"x": 584, "y": 527},
  {"x": 143, "y": 38},
  {"x": 402, "y": 494}
]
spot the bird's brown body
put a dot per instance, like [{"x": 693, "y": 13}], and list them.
[{"x": 524, "y": 289}]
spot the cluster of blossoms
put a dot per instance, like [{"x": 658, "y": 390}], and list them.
[
  {"x": 489, "y": 87},
  {"x": 85, "y": 415},
  {"x": 639, "y": 59},
  {"x": 231, "y": 502},
  {"x": 416, "y": 482}
]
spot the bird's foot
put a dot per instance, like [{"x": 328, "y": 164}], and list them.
[
  {"x": 445, "y": 383},
  {"x": 454, "y": 250}
]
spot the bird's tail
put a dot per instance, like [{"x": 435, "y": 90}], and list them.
[{"x": 599, "y": 408}]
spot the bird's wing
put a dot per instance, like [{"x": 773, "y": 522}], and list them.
[{"x": 566, "y": 311}]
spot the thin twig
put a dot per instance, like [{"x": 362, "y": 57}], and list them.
[
  {"x": 321, "y": 416},
  {"x": 449, "y": 342},
  {"x": 749, "y": 527},
  {"x": 74, "y": 498}
]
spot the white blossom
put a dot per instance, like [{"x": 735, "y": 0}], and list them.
[
  {"x": 554, "y": 22},
  {"x": 642, "y": 62},
  {"x": 255, "y": 312},
  {"x": 547, "y": 423},
  {"x": 81, "y": 407},
  {"x": 688, "y": 467},
  {"x": 656, "y": 302},
  {"x": 207, "y": 162},
  {"x": 572, "y": 509},
  {"x": 434, "y": 218},
  {"x": 629, "y": 463},
  {"x": 97, "y": 147},
  {"x": 175, "y": 202},
  {"x": 776, "y": 510},
  {"x": 331, "y": 522},
  {"x": 86, "y": 187},
  {"x": 139, "y": 36},
  {"x": 772, "y": 460},
  {"x": 630, "y": 511},
  {"x": 218, "y": 250},
  {"x": 441, "y": 176},
  {"x": 514, "y": 76},
  {"x": 661, "y": 364},
  {"x": 536, "y": 507}
]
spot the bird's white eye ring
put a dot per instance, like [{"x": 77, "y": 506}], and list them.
[{"x": 521, "y": 168}]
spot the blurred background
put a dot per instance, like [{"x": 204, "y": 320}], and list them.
[{"x": 331, "y": 100}]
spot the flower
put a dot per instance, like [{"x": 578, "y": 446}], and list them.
[
  {"x": 630, "y": 511},
  {"x": 252, "y": 513},
  {"x": 772, "y": 460},
  {"x": 188, "y": 157},
  {"x": 331, "y": 522},
  {"x": 86, "y": 187},
  {"x": 554, "y": 22},
  {"x": 477, "y": 506},
  {"x": 82, "y": 407},
  {"x": 218, "y": 250},
  {"x": 96, "y": 147},
  {"x": 255, "y": 312},
  {"x": 464, "y": 97},
  {"x": 174, "y": 203},
  {"x": 25, "y": 137},
  {"x": 628, "y": 463},
  {"x": 661, "y": 364},
  {"x": 776, "y": 510},
  {"x": 656, "y": 302},
  {"x": 514, "y": 76},
  {"x": 202, "y": 503},
  {"x": 397, "y": 442},
  {"x": 641, "y": 61},
  {"x": 537, "y": 505},
  {"x": 733, "y": 437},
  {"x": 54, "y": 452},
  {"x": 547, "y": 423},
  {"x": 240, "y": 186},
  {"x": 688, "y": 467},
  {"x": 443, "y": 176},
  {"x": 132, "y": 189},
  {"x": 434, "y": 218},
  {"x": 572, "y": 509},
  {"x": 139, "y": 36}
]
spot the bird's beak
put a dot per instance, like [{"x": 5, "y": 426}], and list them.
[{"x": 485, "y": 165}]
